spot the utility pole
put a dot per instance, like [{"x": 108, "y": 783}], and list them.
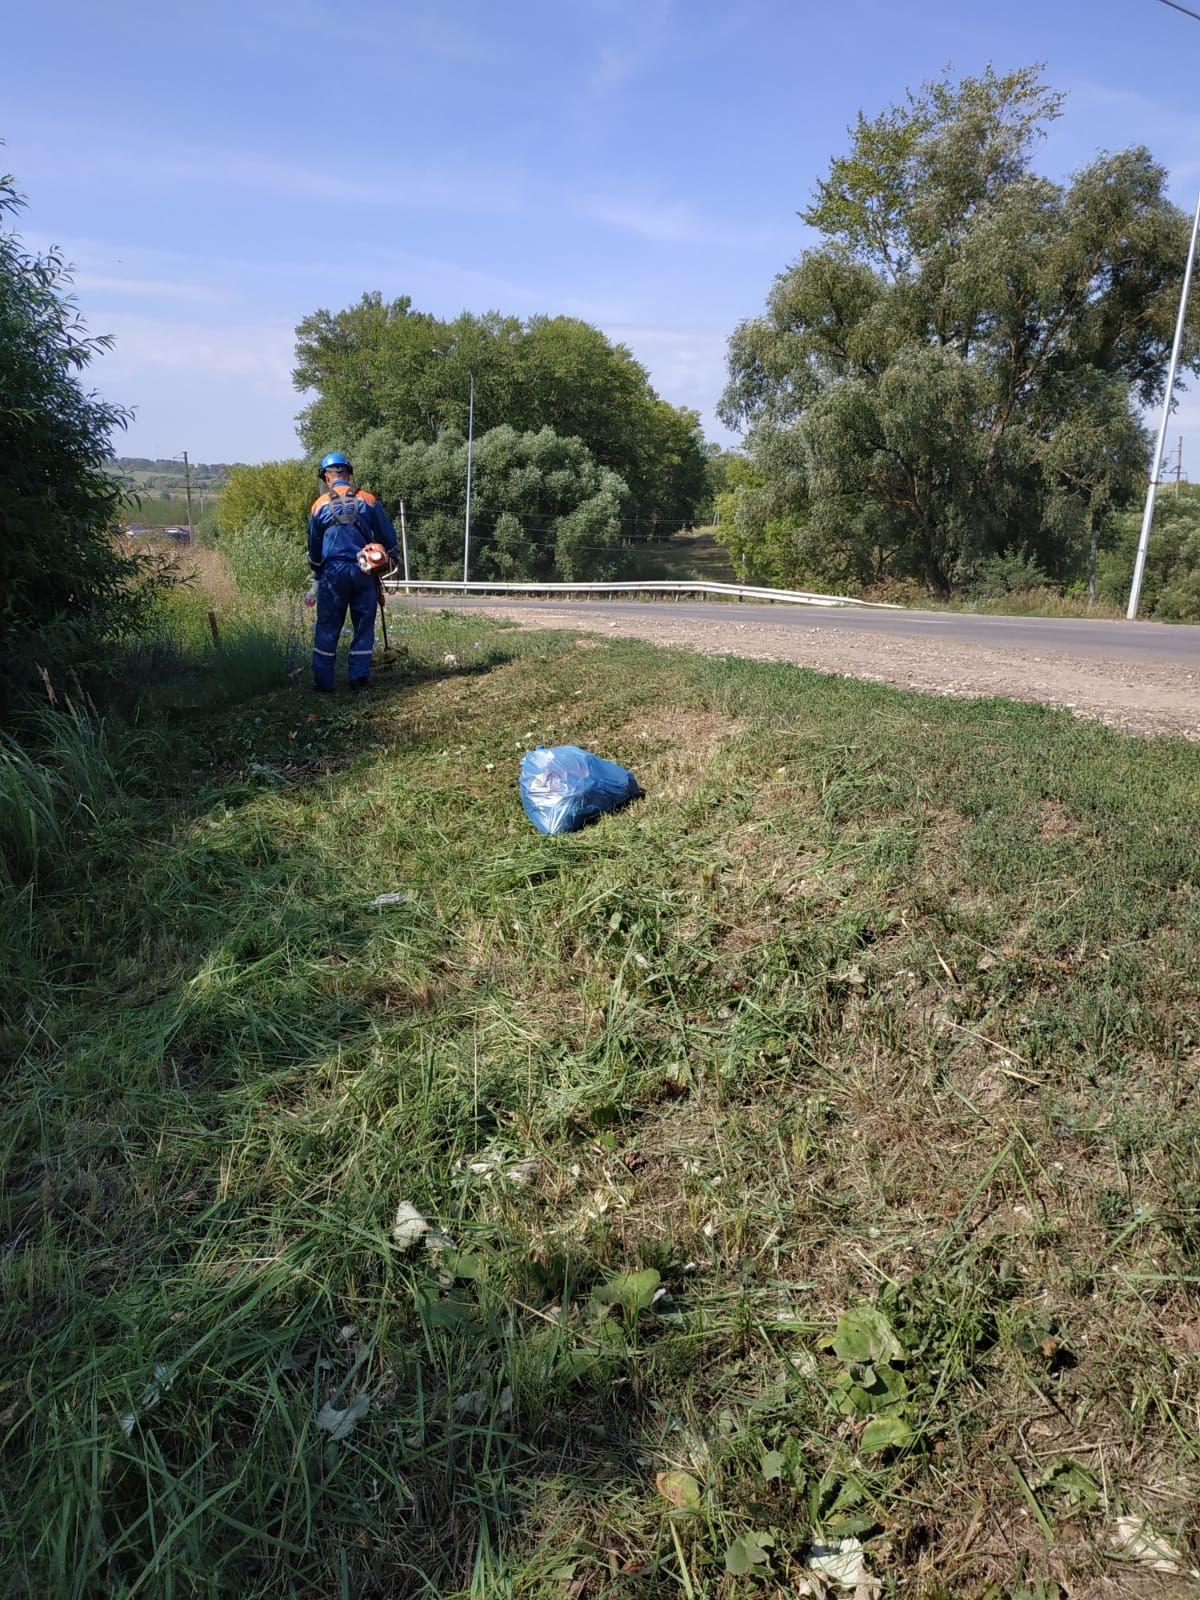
[
  {"x": 470, "y": 439},
  {"x": 1178, "y": 465},
  {"x": 404, "y": 540},
  {"x": 187, "y": 478},
  {"x": 1139, "y": 566}
]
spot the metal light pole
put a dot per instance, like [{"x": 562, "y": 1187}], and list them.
[
  {"x": 470, "y": 440},
  {"x": 1139, "y": 566}
]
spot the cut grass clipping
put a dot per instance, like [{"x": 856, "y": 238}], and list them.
[{"x": 787, "y": 1186}]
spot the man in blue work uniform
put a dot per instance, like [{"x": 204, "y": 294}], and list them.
[{"x": 344, "y": 522}]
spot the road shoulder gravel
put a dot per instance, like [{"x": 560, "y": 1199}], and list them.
[{"x": 1132, "y": 696}]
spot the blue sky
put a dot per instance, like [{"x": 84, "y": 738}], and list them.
[{"x": 217, "y": 173}]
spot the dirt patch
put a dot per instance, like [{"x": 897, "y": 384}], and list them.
[
  {"x": 1132, "y": 696},
  {"x": 1057, "y": 823}
]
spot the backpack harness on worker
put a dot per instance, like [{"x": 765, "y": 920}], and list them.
[{"x": 344, "y": 504}]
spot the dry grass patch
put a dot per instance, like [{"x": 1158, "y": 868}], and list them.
[{"x": 680, "y": 747}]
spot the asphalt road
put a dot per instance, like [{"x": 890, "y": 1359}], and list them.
[{"x": 1160, "y": 643}]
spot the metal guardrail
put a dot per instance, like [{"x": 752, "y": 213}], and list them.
[{"x": 736, "y": 591}]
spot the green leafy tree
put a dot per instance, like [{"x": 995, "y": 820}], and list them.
[
  {"x": 541, "y": 506},
  {"x": 764, "y": 540},
  {"x": 1092, "y": 461},
  {"x": 1171, "y": 585},
  {"x": 278, "y": 493},
  {"x": 381, "y": 364},
  {"x": 717, "y": 462},
  {"x": 668, "y": 469},
  {"x": 69, "y": 594},
  {"x": 953, "y": 372},
  {"x": 371, "y": 365}
]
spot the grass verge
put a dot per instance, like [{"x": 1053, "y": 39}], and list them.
[{"x": 803, "y": 1161}]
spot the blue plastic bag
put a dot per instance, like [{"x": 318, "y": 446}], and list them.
[{"x": 564, "y": 787}]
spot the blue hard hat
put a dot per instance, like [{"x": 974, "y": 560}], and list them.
[{"x": 334, "y": 459}]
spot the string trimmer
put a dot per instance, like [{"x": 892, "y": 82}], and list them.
[
  {"x": 374, "y": 558},
  {"x": 389, "y": 655}
]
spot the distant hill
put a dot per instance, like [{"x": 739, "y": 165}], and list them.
[
  {"x": 158, "y": 491},
  {"x": 167, "y": 477}
]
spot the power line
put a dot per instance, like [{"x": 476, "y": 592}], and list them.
[
  {"x": 548, "y": 535},
  {"x": 1175, "y": 6},
  {"x": 539, "y": 535},
  {"x": 679, "y": 519}
]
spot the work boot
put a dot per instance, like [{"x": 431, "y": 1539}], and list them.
[{"x": 360, "y": 684}]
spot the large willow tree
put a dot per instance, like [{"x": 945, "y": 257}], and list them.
[{"x": 954, "y": 370}]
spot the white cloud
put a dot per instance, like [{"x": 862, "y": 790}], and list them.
[
  {"x": 155, "y": 288},
  {"x": 222, "y": 391},
  {"x": 393, "y": 180},
  {"x": 635, "y": 35},
  {"x": 424, "y": 275},
  {"x": 259, "y": 353},
  {"x": 472, "y": 193},
  {"x": 662, "y": 221},
  {"x": 686, "y": 366}
]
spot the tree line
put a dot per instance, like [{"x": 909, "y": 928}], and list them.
[
  {"x": 381, "y": 364},
  {"x": 574, "y": 455}
]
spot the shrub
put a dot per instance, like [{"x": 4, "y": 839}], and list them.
[
  {"x": 1179, "y": 601},
  {"x": 279, "y": 491},
  {"x": 1014, "y": 573},
  {"x": 68, "y": 591}
]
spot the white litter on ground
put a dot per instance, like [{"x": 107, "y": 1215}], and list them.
[
  {"x": 337, "y": 1424},
  {"x": 1135, "y": 1538},
  {"x": 410, "y": 1226}
]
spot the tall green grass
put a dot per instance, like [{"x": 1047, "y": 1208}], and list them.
[
  {"x": 268, "y": 561},
  {"x": 261, "y": 643},
  {"x": 60, "y": 787}
]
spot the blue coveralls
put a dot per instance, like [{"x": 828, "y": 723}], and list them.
[{"x": 333, "y": 546}]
